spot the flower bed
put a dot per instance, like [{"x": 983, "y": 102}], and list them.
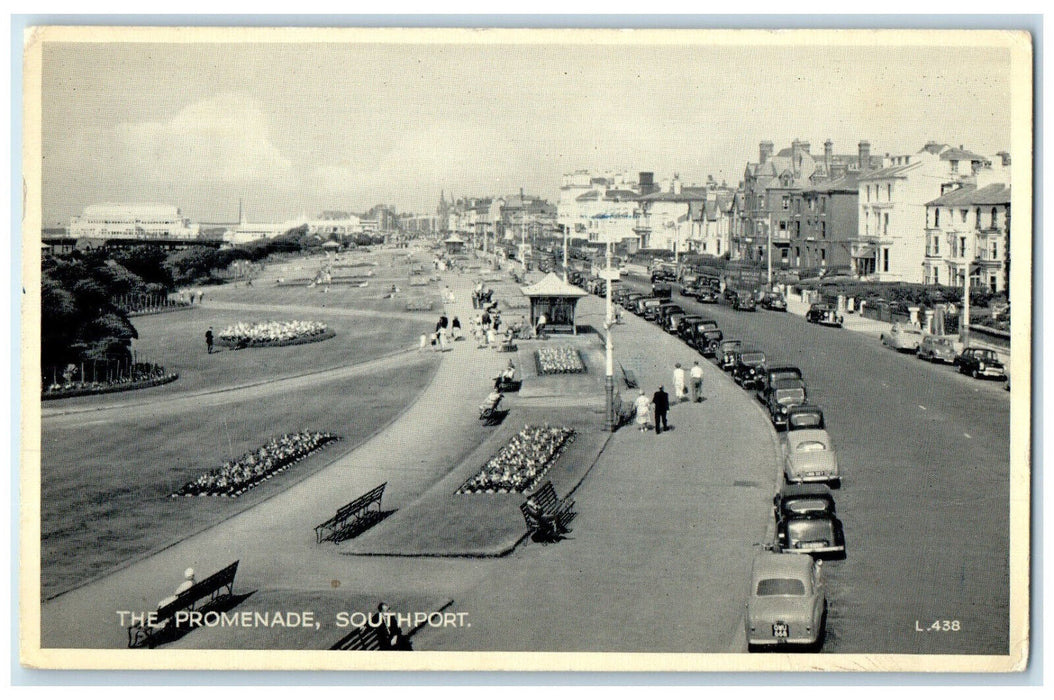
[
  {"x": 236, "y": 477},
  {"x": 140, "y": 376},
  {"x": 522, "y": 462},
  {"x": 273, "y": 334},
  {"x": 560, "y": 359}
]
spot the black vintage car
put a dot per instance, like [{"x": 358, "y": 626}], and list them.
[
  {"x": 806, "y": 521},
  {"x": 662, "y": 290},
  {"x": 707, "y": 341},
  {"x": 980, "y": 362},
  {"x": 708, "y": 295},
  {"x": 665, "y": 310},
  {"x": 823, "y": 314},
  {"x": 806, "y": 417},
  {"x": 629, "y": 301},
  {"x": 775, "y": 373},
  {"x": 685, "y": 323},
  {"x": 773, "y": 301},
  {"x": 783, "y": 395},
  {"x": 748, "y": 368},
  {"x": 744, "y": 301},
  {"x": 730, "y": 294},
  {"x": 727, "y": 352}
]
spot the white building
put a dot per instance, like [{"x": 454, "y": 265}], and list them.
[
  {"x": 139, "y": 221},
  {"x": 666, "y": 216},
  {"x": 710, "y": 220},
  {"x": 969, "y": 225},
  {"x": 600, "y": 207},
  {"x": 891, "y": 241}
]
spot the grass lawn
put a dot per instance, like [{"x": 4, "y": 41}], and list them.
[{"x": 105, "y": 488}]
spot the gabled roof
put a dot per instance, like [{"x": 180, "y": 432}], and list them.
[
  {"x": 960, "y": 154},
  {"x": 552, "y": 286},
  {"x": 846, "y": 184},
  {"x": 885, "y": 173},
  {"x": 687, "y": 194},
  {"x": 969, "y": 195}
]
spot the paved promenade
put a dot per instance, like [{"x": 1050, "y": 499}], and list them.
[{"x": 658, "y": 559}]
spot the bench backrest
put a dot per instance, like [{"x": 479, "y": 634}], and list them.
[
  {"x": 546, "y": 497},
  {"x": 361, "y": 502},
  {"x": 224, "y": 578},
  {"x": 364, "y": 638}
]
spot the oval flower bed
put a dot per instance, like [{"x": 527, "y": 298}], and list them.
[
  {"x": 236, "y": 477},
  {"x": 273, "y": 334},
  {"x": 522, "y": 462},
  {"x": 559, "y": 359},
  {"x": 141, "y": 376}
]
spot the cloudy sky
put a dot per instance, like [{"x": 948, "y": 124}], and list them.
[{"x": 306, "y": 127}]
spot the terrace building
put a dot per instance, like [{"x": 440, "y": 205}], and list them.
[
  {"x": 142, "y": 222},
  {"x": 966, "y": 227}
]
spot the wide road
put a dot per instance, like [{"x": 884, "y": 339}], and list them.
[{"x": 925, "y": 457}]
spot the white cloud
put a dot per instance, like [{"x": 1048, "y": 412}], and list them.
[{"x": 222, "y": 139}]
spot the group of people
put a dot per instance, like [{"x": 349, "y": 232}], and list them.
[
  {"x": 687, "y": 386},
  {"x": 482, "y": 298},
  {"x": 239, "y": 475},
  {"x": 242, "y": 335},
  {"x": 521, "y": 462},
  {"x": 446, "y": 331}
]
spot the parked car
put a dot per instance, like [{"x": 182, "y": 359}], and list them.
[
  {"x": 727, "y": 352},
  {"x": 806, "y": 522},
  {"x": 685, "y": 324},
  {"x": 805, "y": 417},
  {"x": 825, "y": 315},
  {"x": 673, "y": 322},
  {"x": 787, "y": 602},
  {"x": 783, "y": 396},
  {"x": 744, "y": 301},
  {"x": 749, "y": 366},
  {"x": 774, "y": 373},
  {"x": 708, "y": 295},
  {"x": 648, "y": 305},
  {"x": 902, "y": 337},
  {"x": 773, "y": 301},
  {"x": 629, "y": 301},
  {"x": 980, "y": 362},
  {"x": 661, "y": 289},
  {"x": 665, "y": 309},
  {"x": 707, "y": 341},
  {"x": 729, "y": 294},
  {"x": 808, "y": 456},
  {"x": 936, "y": 348}
]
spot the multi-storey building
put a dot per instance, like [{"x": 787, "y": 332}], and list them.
[
  {"x": 665, "y": 217},
  {"x": 969, "y": 226},
  {"x": 602, "y": 207},
  {"x": 711, "y": 222},
  {"x": 133, "y": 221},
  {"x": 825, "y": 220},
  {"x": 891, "y": 230},
  {"x": 767, "y": 216}
]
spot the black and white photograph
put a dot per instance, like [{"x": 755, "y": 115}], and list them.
[{"x": 526, "y": 349}]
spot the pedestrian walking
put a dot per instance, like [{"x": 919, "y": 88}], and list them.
[
  {"x": 679, "y": 389},
  {"x": 209, "y": 339},
  {"x": 661, "y": 401},
  {"x": 697, "y": 383},
  {"x": 642, "y": 406}
]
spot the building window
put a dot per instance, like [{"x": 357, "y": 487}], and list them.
[
  {"x": 936, "y": 217},
  {"x": 937, "y": 244},
  {"x": 823, "y": 256},
  {"x": 992, "y": 282},
  {"x": 885, "y": 223},
  {"x": 885, "y": 260},
  {"x": 783, "y": 254},
  {"x": 823, "y": 203},
  {"x": 936, "y": 275},
  {"x": 964, "y": 213},
  {"x": 783, "y": 226},
  {"x": 995, "y": 213},
  {"x": 868, "y": 191},
  {"x": 995, "y": 250},
  {"x": 786, "y": 203},
  {"x": 962, "y": 246},
  {"x": 823, "y": 229},
  {"x": 977, "y": 213},
  {"x": 889, "y": 193}
]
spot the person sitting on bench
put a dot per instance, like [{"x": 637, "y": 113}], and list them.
[
  {"x": 549, "y": 525},
  {"x": 505, "y": 377}
]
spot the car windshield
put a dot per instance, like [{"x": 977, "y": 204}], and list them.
[
  {"x": 780, "y": 586},
  {"x": 785, "y": 374},
  {"x": 789, "y": 395},
  {"x": 810, "y": 446},
  {"x": 943, "y": 342},
  {"x": 753, "y": 358},
  {"x": 804, "y": 506},
  {"x": 986, "y": 355}
]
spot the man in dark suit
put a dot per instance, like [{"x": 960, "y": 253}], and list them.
[{"x": 661, "y": 401}]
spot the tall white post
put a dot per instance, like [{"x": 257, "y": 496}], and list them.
[
  {"x": 565, "y": 253},
  {"x": 768, "y": 230},
  {"x": 965, "y": 325}
]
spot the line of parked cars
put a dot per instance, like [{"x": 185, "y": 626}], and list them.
[{"x": 979, "y": 363}]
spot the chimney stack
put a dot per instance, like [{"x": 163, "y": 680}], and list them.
[
  {"x": 828, "y": 155},
  {"x": 1005, "y": 157},
  {"x": 764, "y": 151},
  {"x": 805, "y": 146},
  {"x": 865, "y": 155}
]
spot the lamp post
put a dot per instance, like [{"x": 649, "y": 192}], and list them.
[
  {"x": 768, "y": 255},
  {"x": 565, "y": 253},
  {"x": 609, "y": 355}
]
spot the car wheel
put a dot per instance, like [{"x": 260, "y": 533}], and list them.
[{"x": 974, "y": 373}]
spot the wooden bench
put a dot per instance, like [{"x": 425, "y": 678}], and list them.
[
  {"x": 629, "y": 376},
  {"x": 551, "y": 504},
  {"x": 365, "y": 638},
  {"x": 357, "y": 513},
  {"x": 211, "y": 590}
]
